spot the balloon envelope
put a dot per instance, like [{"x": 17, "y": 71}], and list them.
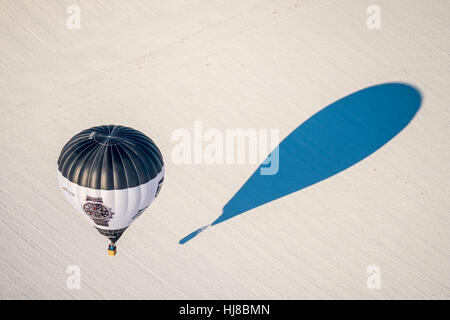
[{"x": 110, "y": 174}]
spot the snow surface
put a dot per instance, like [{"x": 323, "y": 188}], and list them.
[{"x": 160, "y": 65}]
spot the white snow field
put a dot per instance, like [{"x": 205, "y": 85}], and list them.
[{"x": 158, "y": 66}]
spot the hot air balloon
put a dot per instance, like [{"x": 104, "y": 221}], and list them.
[{"x": 110, "y": 174}]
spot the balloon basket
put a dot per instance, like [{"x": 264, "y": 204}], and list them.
[{"x": 112, "y": 252}]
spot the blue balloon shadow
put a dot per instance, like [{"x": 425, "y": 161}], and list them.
[{"x": 332, "y": 140}]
